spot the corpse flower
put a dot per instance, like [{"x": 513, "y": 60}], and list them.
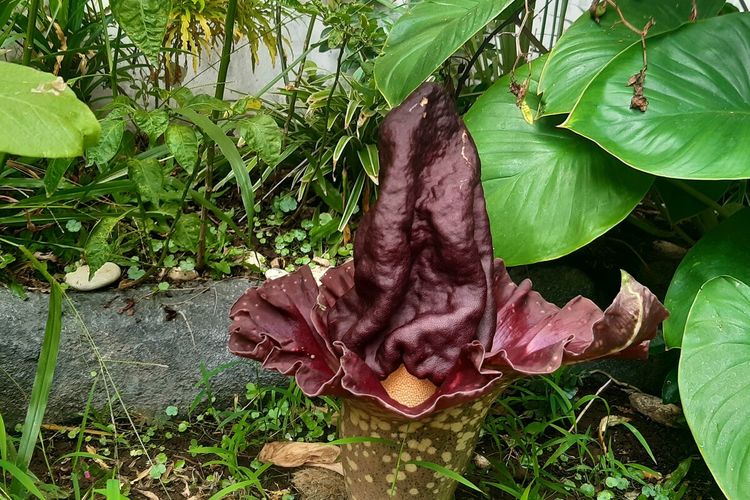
[{"x": 420, "y": 333}]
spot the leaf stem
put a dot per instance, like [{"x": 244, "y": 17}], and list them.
[
  {"x": 300, "y": 73},
  {"x": 706, "y": 200},
  {"x": 280, "y": 43},
  {"x": 561, "y": 23},
  {"x": 326, "y": 114}
]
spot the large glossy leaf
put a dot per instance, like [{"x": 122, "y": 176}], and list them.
[
  {"x": 698, "y": 86},
  {"x": 586, "y": 47},
  {"x": 714, "y": 378},
  {"x": 145, "y": 22},
  {"x": 424, "y": 37},
  {"x": 41, "y": 116},
  {"x": 722, "y": 251},
  {"x": 548, "y": 191}
]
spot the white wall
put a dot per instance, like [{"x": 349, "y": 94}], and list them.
[{"x": 243, "y": 80}]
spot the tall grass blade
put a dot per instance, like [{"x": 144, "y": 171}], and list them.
[
  {"x": 3, "y": 440},
  {"x": 43, "y": 380},
  {"x": 447, "y": 473},
  {"x": 232, "y": 155}
]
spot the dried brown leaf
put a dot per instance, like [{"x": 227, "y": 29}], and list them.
[
  {"x": 147, "y": 494},
  {"x": 607, "y": 422},
  {"x": 293, "y": 454}
]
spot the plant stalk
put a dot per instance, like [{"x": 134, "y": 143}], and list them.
[
  {"x": 684, "y": 186},
  {"x": 221, "y": 81},
  {"x": 280, "y": 43},
  {"x": 561, "y": 24},
  {"x": 30, "y": 28},
  {"x": 326, "y": 114},
  {"x": 115, "y": 57}
]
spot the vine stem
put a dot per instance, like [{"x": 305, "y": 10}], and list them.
[
  {"x": 30, "y": 28},
  {"x": 465, "y": 75}
]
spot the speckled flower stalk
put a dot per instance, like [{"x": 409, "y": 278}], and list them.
[
  {"x": 422, "y": 330},
  {"x": 377, "y": 470}
]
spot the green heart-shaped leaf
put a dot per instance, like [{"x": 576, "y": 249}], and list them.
[
  {"x": 549, "y": 192},
  {"x": 722, "y": 251},
  {"x": 587, "y": 46},
  {"x": 714, "y": 379},
  {"x": 424, "y": 37},
  {"x": 698, "y": 87}
]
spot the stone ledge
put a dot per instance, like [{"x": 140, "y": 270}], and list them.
[{"x": 153, "y": 349}]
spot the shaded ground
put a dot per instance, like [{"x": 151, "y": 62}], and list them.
[
  {"x": 194, "y": 476},
  {"x": 670, "y": 446}
]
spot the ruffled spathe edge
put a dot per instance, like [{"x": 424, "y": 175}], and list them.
[{"x": 283, "y": 325}]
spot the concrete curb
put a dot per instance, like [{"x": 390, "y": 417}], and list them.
[{"x": 153, "y": 345}]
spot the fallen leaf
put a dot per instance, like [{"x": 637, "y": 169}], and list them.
[
  {"x": 68, "y": 428},
  {"x": 141, "y": 475},
  {"x": 278, "y": 494},
  {"x": 293, "y": 454},
  {"x": 652, "y": 476},
  {"x": 146, "y": 494},
  {"x": 481, "y": 462},
  {"x": 99, "y": 462},
  {"x": 186, "y": 491},
  {"x": 337, "y": 467},
  {"x": 653, "y": 407}
]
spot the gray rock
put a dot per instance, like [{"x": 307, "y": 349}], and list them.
[
  {"x": 152, "y": 345},
  {"x": 274, "y": 273}
]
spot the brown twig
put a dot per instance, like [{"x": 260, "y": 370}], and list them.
[{"x": 637, "y": 81}]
